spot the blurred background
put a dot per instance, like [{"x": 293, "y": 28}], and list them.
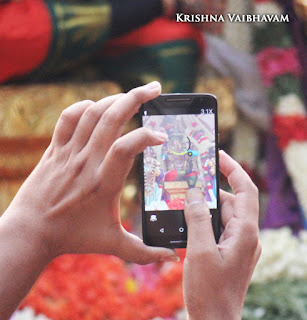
[{"x": 54, "y": 53}]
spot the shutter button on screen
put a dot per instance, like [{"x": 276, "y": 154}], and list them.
[
  {"x": 153, "y": 218},
  {"x": 181, "y": 229}
]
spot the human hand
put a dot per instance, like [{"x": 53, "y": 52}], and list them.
[
  {"x": 216, "y": 277},
  {"x": 70, "y": 202}
]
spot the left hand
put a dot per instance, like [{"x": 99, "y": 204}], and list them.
[{"x": 70, "y": 202}]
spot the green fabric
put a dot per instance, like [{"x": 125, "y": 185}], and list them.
[
  {"x": 284, "y": 85},
  {"x": 174, "y": 64},
  {"x": 79, "y": 30},
  {"x": 272, "y": 35}
]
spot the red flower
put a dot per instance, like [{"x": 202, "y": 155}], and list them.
[
  {"x": 94, "y": 287},
  {"x": 288, "y": 128},
  {"x": 274, "y": 62},
  {"x": 176, "y": 204}
]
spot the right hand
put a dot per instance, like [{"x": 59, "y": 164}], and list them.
[{"x": 216, "y": 277}]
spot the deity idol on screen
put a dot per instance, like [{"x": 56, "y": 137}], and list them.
[
  {"x": 180, "y": 160},
  {"x": 186, "y": 160}
]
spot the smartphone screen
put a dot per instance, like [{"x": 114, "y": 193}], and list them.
[{"x": 188, "y": 159}]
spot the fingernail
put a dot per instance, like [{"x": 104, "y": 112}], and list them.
[
  {"x": 172, "y": 258},
  {"x": 194, "y": 196},
  {"x": 153, "y": 85},
  {"x": 161, "y": 135}
]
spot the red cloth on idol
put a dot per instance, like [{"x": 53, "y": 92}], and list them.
[
  {"x": 158, "y": 31},
  {"x": 25, "y": 36}
]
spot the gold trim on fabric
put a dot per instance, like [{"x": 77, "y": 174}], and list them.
[{"x": 175, "y": 51}]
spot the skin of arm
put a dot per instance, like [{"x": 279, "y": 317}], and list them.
[
  {"x": 70, "y": 202},
  {"x": 216, "y": 277}
]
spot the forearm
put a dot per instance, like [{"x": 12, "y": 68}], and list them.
[{"x": 23, "y": 256}]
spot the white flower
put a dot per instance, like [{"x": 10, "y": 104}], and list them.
[
  {"x": 181, "y": 315},
  {"x": 27, "y": 314},
  {"x": 283, "y": 256},
  {"x": 259, "y": 313},
  {"x": 295, "y": 156},
  {"x": 289, "y": 105}
]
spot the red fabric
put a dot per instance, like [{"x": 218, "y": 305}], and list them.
[
  {"x": 192, "y": 174},
  {"x": 159, "y": 31},
  {"x": 171, "y": 175},
  {"x": 25, "y": 36}
]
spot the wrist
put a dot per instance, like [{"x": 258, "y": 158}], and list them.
[
  {"x": 218, "y": 313},
  {"x": 23, "y": 231},
  {"x": 23, "y": 256},
  {"x": 216, "y": 316}
]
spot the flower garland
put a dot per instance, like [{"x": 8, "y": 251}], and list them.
[
  {"x": 290, "y": 127},
  {"x": 280, "y": 69},
  {"x": 95, "y": 287}
]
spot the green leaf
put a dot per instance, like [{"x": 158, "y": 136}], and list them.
[{"x": 278, "y": 300}]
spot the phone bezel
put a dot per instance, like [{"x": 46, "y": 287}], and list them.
[{"x": 180, "y": 104}]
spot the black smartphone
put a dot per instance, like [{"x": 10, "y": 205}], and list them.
[{"x": 188, "y": 159}]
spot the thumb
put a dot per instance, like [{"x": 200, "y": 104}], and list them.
[
  {"x": 134, "y": 250},
  {"x": 197, "y": 215}
]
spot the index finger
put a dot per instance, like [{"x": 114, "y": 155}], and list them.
[
  {"x": 112, "y": 122},
  {"x": 246, "y": 202}
]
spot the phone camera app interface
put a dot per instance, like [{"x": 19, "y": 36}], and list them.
[{"x": 186, "y": 160}]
